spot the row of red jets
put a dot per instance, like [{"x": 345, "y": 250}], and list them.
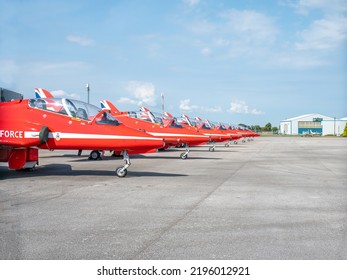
[{"x": 52, "y": 123}]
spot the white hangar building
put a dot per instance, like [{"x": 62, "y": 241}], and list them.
[{"x": 313, "y": 123}]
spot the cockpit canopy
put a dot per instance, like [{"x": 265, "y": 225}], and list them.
[
  {"x": 225, "y": 126},
  {"x": 154, "y": 117},
  {"x": 198, "y": 123},
  {"x": 74, "y": 109}
]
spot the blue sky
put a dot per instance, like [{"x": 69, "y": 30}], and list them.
[{"x": 238, "y": 61}]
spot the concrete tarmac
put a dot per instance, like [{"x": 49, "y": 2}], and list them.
[{"x": 271, "y": 198}]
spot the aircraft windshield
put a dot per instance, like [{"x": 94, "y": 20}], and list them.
[
  {"x": 175, "y": 123},
  {"x": 106, "y": 118},
  {"x": 218, "y": 125},
  {"x": 212, "y": 124},
  {"x": 64, "y": 106},
  {"x": 147, "y": 116},
  {"x": 187, "y": 121},
  {"x": 202, "y": 124},
  {"x": 224, "y": 126}
]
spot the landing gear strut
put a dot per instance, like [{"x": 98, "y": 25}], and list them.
[
  {"x": 122, "y": 171},
  {"x": 211, "y": 149},
  {"x": 185, "y": 154}
]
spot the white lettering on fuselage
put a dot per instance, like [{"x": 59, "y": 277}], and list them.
[{"x": 11, "y": 134}]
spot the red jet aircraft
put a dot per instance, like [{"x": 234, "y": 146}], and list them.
[
  {"x": 247, "y": 134},
  {"x": 52, "y": 123},
  {"x": 161, "y": 126},
  {"x": 205, "y": 128},
  {"x": 228, "y": 130}
]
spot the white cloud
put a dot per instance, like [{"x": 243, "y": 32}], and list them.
[
  {"x": 82, "y": 41},
  {"x": 187, "y": 107},
  {"x": 202, "y": 27},
  {"x": 206, "y": 51},
  {"x": 220, "y": 42},
  {"x": 235, "y": 33},
  {"x": 126, "y": 100},
  {"x": 240, "y": 107},
  {"x": 143, "y": 92},
  {"x": 297, "y": 60},
  {"x": 323, "y": 34},
  {"x": 250, "y": 26},
  {"x": 327, "y": 6},
  {"x": 191, "y": 2},
  {"x": 60, "y": 94}
]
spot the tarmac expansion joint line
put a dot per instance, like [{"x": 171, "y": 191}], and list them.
[{"x": 186, "y": 214}]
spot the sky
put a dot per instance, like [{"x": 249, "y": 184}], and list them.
[{"x": 236, "y": 61}]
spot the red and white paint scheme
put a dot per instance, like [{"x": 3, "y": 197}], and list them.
[
  {"x": 204, "y": 127},
  {"x": 159, "y": 125},
  {"x": 52, "y": 123}
]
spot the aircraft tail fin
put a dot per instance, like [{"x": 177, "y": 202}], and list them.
[
  {"x": 42, "y": 93},
  {"x": 168, "y": 114},
  {"x": 105, "y": 104},
  {"x": 144, "y": 109}
]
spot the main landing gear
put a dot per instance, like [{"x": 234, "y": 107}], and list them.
[
  {"x": 229, "y": 143},
  {"x": 122, "y": 171},
  {"x": 95, "y": 155}
]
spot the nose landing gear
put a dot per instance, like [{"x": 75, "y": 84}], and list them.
[
  {"x": 122, "y": 171},
  {"x": 211, "y": 149},
  {"x": 185, "y": 154}
]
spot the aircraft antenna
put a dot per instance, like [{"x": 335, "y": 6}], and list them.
[
  {"x": 88, "y": 90},
  {"x": 162, "y": 102}
]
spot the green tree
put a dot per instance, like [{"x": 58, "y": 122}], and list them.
[
  {"x": 257, "y": 128},
  {"x": 267, "y": 127},
  {"x": 275, "y": 130},
  {"x": 344, "y": 133}
]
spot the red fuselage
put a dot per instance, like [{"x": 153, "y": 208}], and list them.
[
  {"x": 173, "y": 134},
  {"x": 66, "y": 124}
]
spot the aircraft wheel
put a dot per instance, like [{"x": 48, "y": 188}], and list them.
[
  {"x": 121, "y": 172},
  {"x": 43, "y": 135},
  {"x": 94, "y": 155},
  {"x": 183, "y": 156},
  {"x": 235, "y": 142},
  {"x": 211, "y": 149},
  {"x": 227, "y": 145}
]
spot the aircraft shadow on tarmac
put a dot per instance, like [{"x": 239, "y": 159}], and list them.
[
  {"x": 66, "y": 170},
  {"x": 190, "y": 157},
  {"x": 83, "y": 158}
]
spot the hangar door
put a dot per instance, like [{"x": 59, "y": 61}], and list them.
[{"x": 310, "y": 127}]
